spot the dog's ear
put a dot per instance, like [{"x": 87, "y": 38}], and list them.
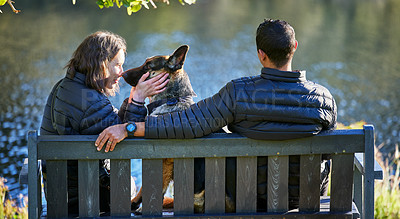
[{"x": 177, "y": 59}]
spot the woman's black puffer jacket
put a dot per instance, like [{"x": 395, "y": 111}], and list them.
[
  {"x": 79, "y": 110},
  {"x": 276, "y": 105}
]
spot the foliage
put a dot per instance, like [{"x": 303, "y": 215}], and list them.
[
  {"x": 10, "y": 2},
  {"x": 9, "y": 208},
  {"x": 356, "y": 125},
  {"x": 133, "y": 6},
  {"x": 387, "y": 193}
]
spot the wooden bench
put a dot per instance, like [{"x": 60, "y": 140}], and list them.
[{"x": 342, "y": 144}]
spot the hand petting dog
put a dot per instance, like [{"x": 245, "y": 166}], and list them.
[
  {"x": 146, "y": 88},
  {"x": 116, "y": 133}
]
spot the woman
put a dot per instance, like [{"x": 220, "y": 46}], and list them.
[{"x": 79, "y": 105}]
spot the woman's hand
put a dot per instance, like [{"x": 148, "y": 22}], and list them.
[
  {"x": 111, "y": 136},
  {"x": 148, "y": 88}
]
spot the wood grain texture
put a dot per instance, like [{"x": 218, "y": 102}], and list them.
[
  {"x": 310, "y": 168},
  {"x": 278, "y": 174},
  {"x": 57, "y": 190},
  {"x": 88, "y": 181},
  {"x": 120, "y": 187},
  {"x": 342, "y": 182},
  {"x": 214, "y": 186},
  {"x": 218, "y": 145},
  {"x": 34, "y": 187},
  {"x": 246, "y": 186},
  {"x": 183, "y": 186},
  {"x": 152, "y": 187},
  {"x": 368, "y": 205}
]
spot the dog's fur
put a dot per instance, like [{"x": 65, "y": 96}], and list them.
[
  {"x": 177, "y": 96},
  {"x": 178, "y": 87}
]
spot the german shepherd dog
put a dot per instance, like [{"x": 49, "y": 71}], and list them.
[{"x": 177, "y": 96}]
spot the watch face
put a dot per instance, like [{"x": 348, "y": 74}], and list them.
[{"x": 130, "y": 127}]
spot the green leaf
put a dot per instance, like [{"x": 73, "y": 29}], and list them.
[
  {"x": 136, "y": 8},
  {"x": 129, "y": 10},
  {"x": 108, "y": 4},
  {"x": 100, "y": 3},
  {"x": 136, "y": 2},
  {"x": 181, "y": 1},
  {"x": 126, "y": 3},
  {"x": 119, "y": 4},
  {"x": 3, "y": 2}
]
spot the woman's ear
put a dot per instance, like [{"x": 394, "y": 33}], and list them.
[{"x": 104, "y": 68}]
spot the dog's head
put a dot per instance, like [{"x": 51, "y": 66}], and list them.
[{"x": 156, "y": 65}]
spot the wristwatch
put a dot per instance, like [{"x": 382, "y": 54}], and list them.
[{"x": 131, "y": 128}]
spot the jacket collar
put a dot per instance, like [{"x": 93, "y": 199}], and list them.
[
  {"x": 285, "y": 76},
  {"x": 79, "y": 77}
]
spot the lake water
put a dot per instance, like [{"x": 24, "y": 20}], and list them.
[{"x": 351, "y": 47}]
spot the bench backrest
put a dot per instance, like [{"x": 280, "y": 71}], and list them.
[{"x": 342, "y": 144}]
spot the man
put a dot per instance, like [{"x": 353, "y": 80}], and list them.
[{"x": 278, "y": 104}]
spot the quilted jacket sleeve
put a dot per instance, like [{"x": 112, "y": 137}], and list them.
[
  {"x": 99, "y": 116},
  {"x": 132, "y": 112},
  {"x": 103, "y": 114},
  {"x": 206, "y": 116}
]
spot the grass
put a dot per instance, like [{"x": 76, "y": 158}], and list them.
[
  {"x": 8, "y": 207},
  {"x": 387, "y": 192}
]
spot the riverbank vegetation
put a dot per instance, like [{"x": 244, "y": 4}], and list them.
[
  {"x": 9, "y": 208},
  {"x": 387, "y": 191}
]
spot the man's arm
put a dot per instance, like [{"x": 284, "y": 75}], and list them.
[{"x": 206, "y": 116}]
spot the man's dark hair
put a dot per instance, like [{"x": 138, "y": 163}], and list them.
[{"x": 277, "y": 39}]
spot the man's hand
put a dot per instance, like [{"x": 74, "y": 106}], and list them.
[{"x": 111, "y": 136}]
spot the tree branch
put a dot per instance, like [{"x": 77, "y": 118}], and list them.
[{"x": 10, "y": 2}]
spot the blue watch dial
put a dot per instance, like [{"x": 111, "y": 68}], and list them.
[{"x": 130, "y": 127}]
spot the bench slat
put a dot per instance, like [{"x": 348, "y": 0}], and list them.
[
  {"x": 214, "y": 182},
  {"x": 152, "y": 190},
  {"x": 342, "y": 181},
  {"x": 183, "y": 186},
  {"x": 368, "y": 181},
  {"x": 274, "y": 216},
  {"x": 88, "y": 178},
  {"x": 120, "y": 184},
  {"x": 218, "y": 145},
  {"x": 34, "y": 179},
  {"x": 278, "y": 174},
  {"x": 246, "y": 186},
  {"x": 57, "y": 188},
  {"x": 309, "y": 181}
]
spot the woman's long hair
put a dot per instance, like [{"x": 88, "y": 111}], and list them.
[{"x": 92, "y": 58}]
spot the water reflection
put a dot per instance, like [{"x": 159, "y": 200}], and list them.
[{"x": 351, "y": 47}]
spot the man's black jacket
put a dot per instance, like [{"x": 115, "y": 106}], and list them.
[{"x": 275, "y": 105}]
